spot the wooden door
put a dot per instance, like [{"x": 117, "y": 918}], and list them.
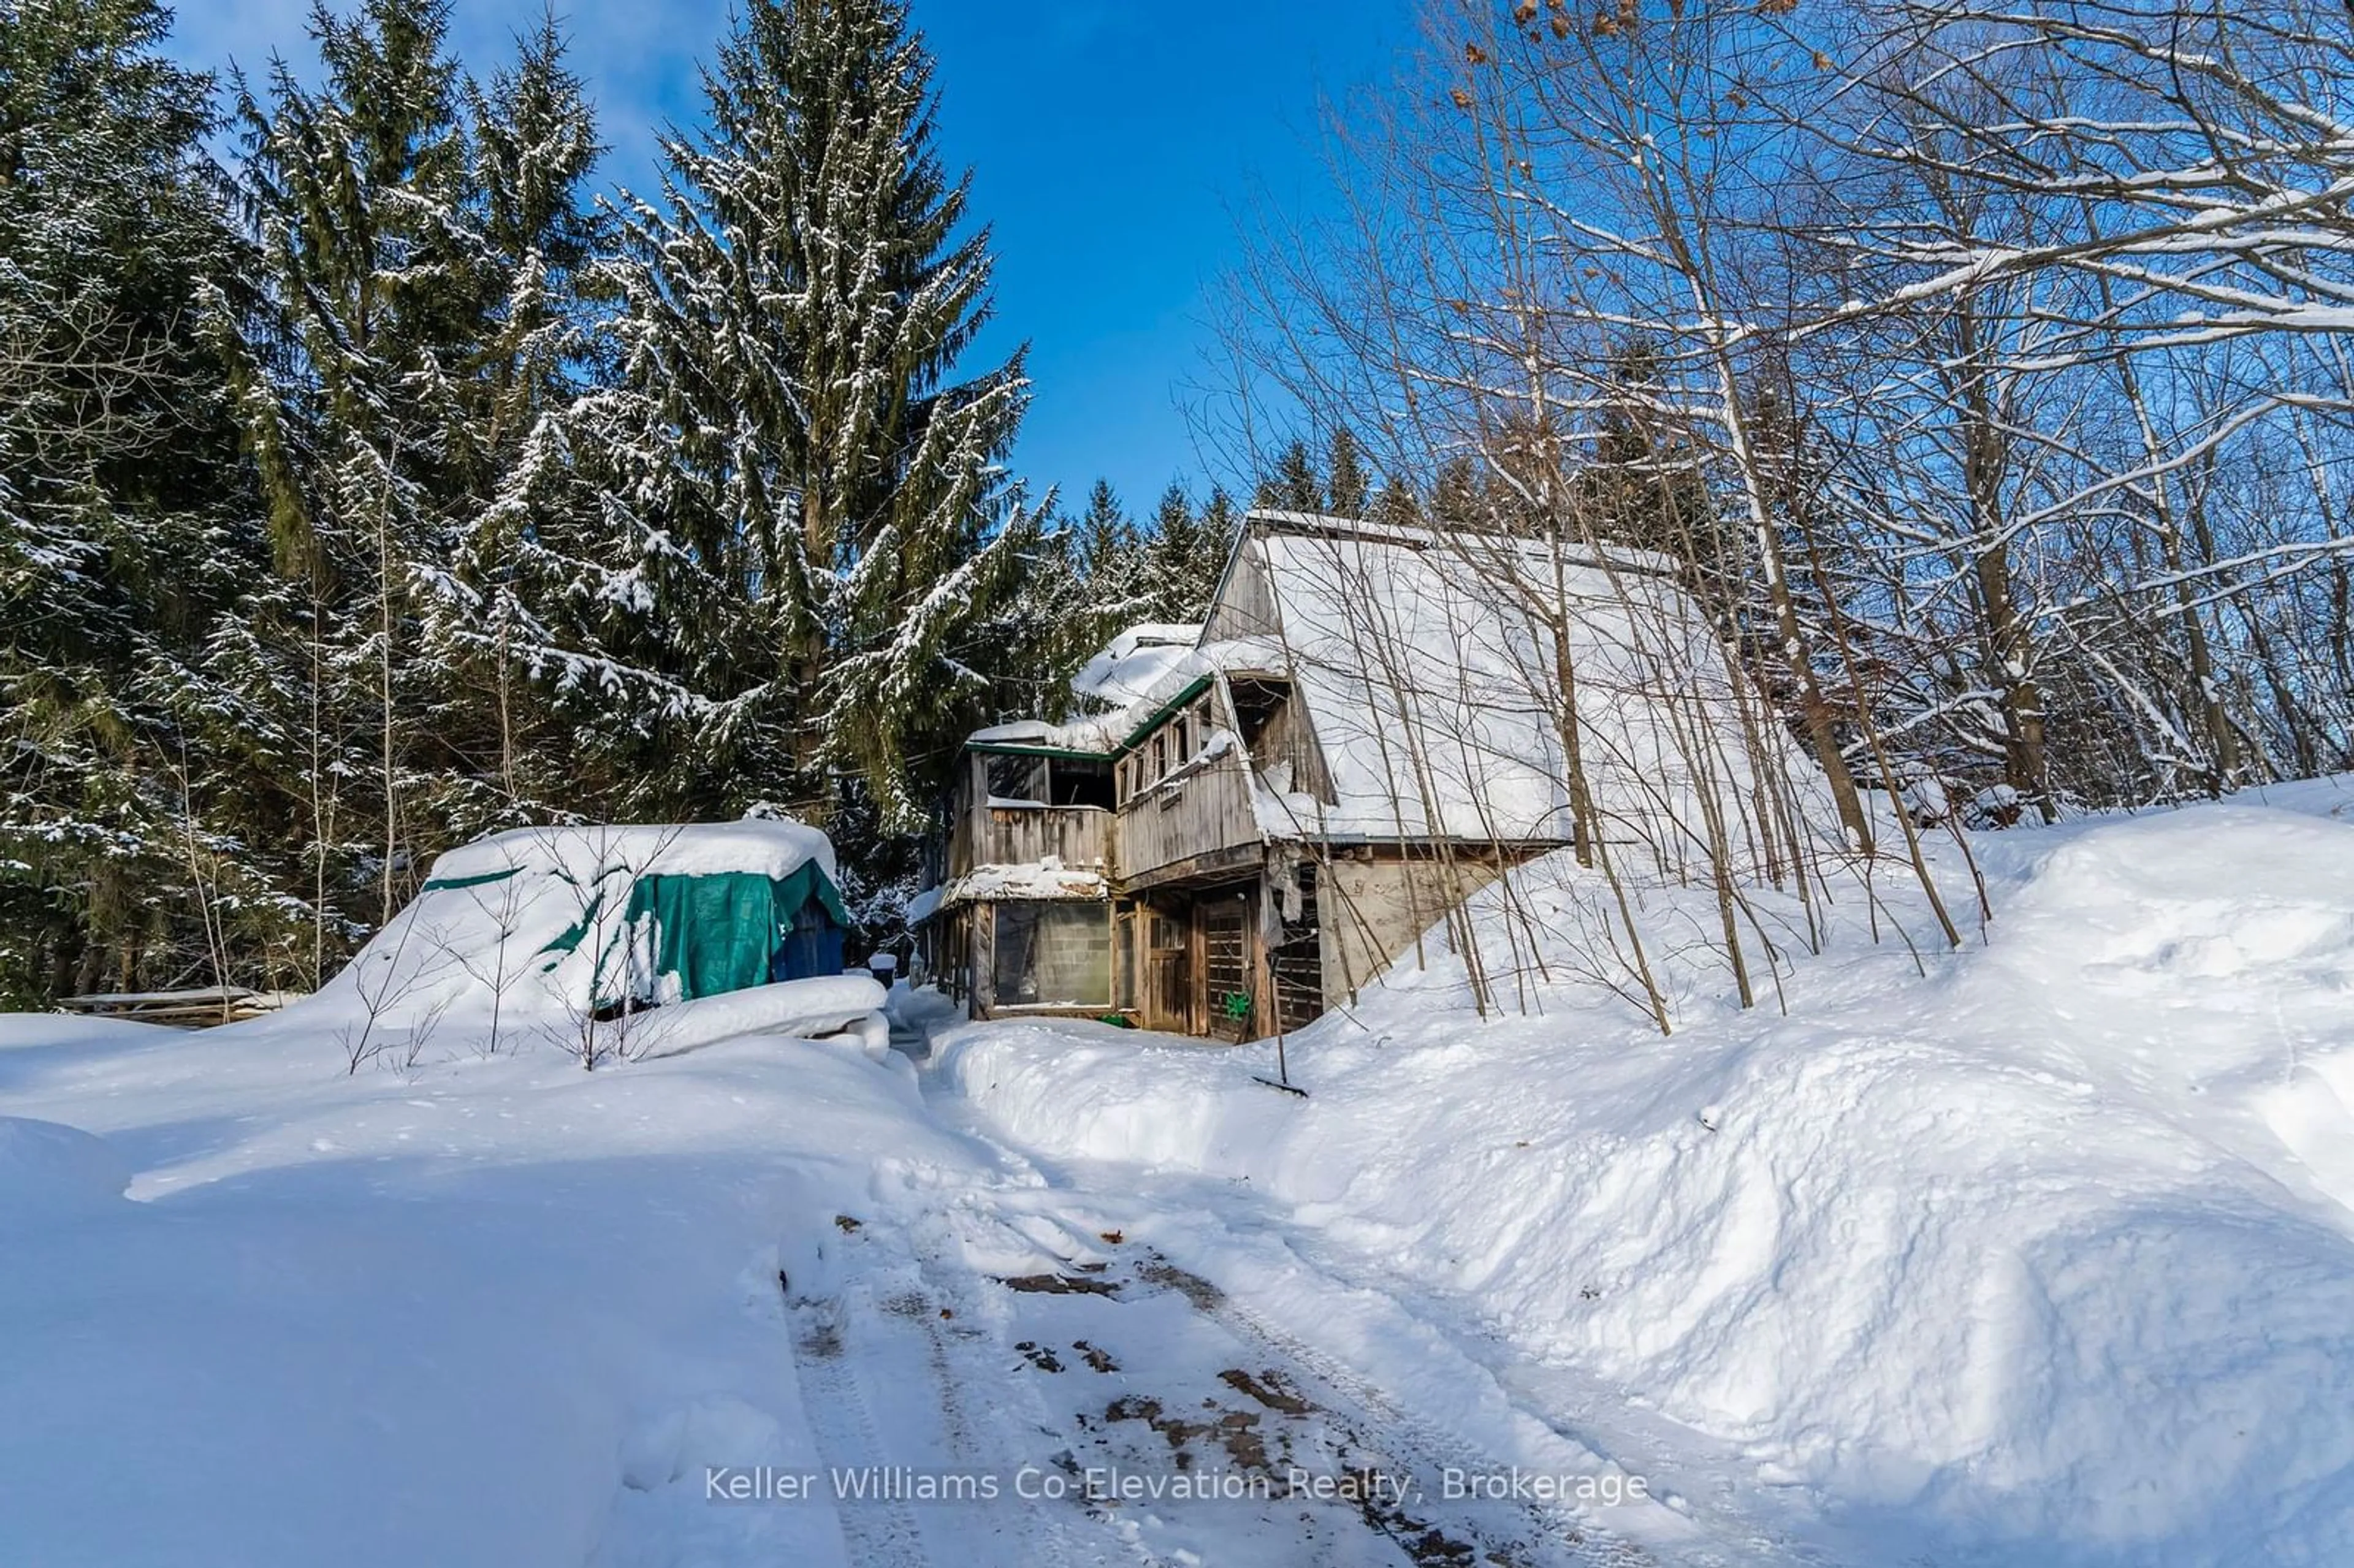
[
  {"x": 1169, "y": 975},
  {"x": 1296, "y": 965},
  {"x": 1227, "y": 1001}
]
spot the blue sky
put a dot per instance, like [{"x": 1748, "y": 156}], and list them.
[{"x": 1113, "y": 147}]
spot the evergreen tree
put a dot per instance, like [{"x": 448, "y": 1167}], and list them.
[
  {"x": 1186, "y": 554},
  {"x": 1109, "y": 548},
  {"x": 1348, "y": 489},
  {"x": 363, "y": 405},
  {"x": 1395, "y": 504},
  {"x": 1221, "y": 523},
  {"x": 520, "y": 631},
  {"x": 116, "y": 457},
  {"x": 1455, "y": 498},
  {"x": 798, "y": 308},
  {"x": 535, "y": 146},
  {"x": 1291, "y": 486},
  {"x": 1642, "y": 490},
  {"x": 1041, "y": 633},
  {"x": 1103, "y": 567}
]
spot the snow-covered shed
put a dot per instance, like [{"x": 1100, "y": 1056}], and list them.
[{"x": 589, "y": 918}]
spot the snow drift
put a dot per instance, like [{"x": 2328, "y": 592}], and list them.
[
  {"x": 391, "y": 1319},
  {"x": 51, "y": 1173},
  {"x": 2051, "y": 1252}
]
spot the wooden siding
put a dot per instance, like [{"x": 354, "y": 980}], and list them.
[
  {"x": 1024, "y": 835},
  {"x": 1020, "y": 832},
  {"x": 1207, "y": 812},
  {"x": 1246, "y": 606},
  {"x": 1285, "y": 736}
]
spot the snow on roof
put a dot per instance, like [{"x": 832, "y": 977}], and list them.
[
  {"x": 772, "y": 847},
  {"x": 1468, "y": 542},
  {"x": 1150, "y": 681},
  {"x": 1092, "y": 736},
  {"x": 1048, "y": 878},
  {"x": 544, "y": 910},
  {"x": 1024, "y": 732},
  {"x": 1132, "y": 662},
  {"x": 1427, "y": 665},
  {"x": 1429, "y": 670}
]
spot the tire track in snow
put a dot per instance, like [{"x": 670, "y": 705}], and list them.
[
  {"x": 1682, "y": 1533},
  {"x": 880, "y": 1532},
  {"x": 1667, "y": 1530},
  {"x": 1341, "y": 1419},
  {"x": 891, "y": 1326},
  {"x": 1695, "y": 1530},
  {"x": 1412, "y": 1447}
]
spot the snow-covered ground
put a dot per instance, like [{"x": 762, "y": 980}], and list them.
[{"x": 2044, "y": 1257}]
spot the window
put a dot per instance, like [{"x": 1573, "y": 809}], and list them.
[
  {"x": 1052, "y": 954},
  {"x": 1258, "y": 703},
  {"x": 1076, "y": 783},
  {"x": 1017, "y": 778}
]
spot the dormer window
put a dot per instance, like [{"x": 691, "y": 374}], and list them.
[{"x": 1259, "y": 701}]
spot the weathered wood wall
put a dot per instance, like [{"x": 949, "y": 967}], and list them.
[
  {"x": 1207, "y": 812},
  {"x": 1079, "y": 836}
]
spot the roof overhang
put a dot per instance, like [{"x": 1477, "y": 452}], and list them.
[{"x": 1028, "y": 748}]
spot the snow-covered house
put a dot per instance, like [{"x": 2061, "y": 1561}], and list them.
[{"x": 1263, "y": 812}]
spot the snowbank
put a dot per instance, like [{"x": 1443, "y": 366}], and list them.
[
  {"x": 806, "y": 1009},
  {"x": 2051, "y": 1253},
  {"x": 493, "y": 1311},
  {"x": 51, "y": 1173}
]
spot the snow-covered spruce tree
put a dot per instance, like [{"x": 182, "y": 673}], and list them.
[
  {"x": 532, "y": 631},
  {"x": 1085, "y": 582},
  {"x": 1185, "y": 554},
  {"x": 1109, "y": 556},
  {"x": 359, "y": 391},
  {"x": 116, "y": 458},
  {"x": 1108, "y": 570},
  {"x": 799, "y": 305},
  {"x": 1349, "y": 488},
  {"x": 1290, "y": 483}
]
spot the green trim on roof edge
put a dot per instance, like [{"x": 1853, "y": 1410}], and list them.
[{"x": 1192, "y": 689}]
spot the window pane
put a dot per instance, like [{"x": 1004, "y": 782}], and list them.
[
  {"x": 1052, "y": 954},
  {"x": 1017, "y": 778}
]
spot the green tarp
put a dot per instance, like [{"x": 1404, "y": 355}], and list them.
[
  {"x": 717, "y": 932},
  {"x": 444, "y": 884},
  {"x": 729, "y": 930}
]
